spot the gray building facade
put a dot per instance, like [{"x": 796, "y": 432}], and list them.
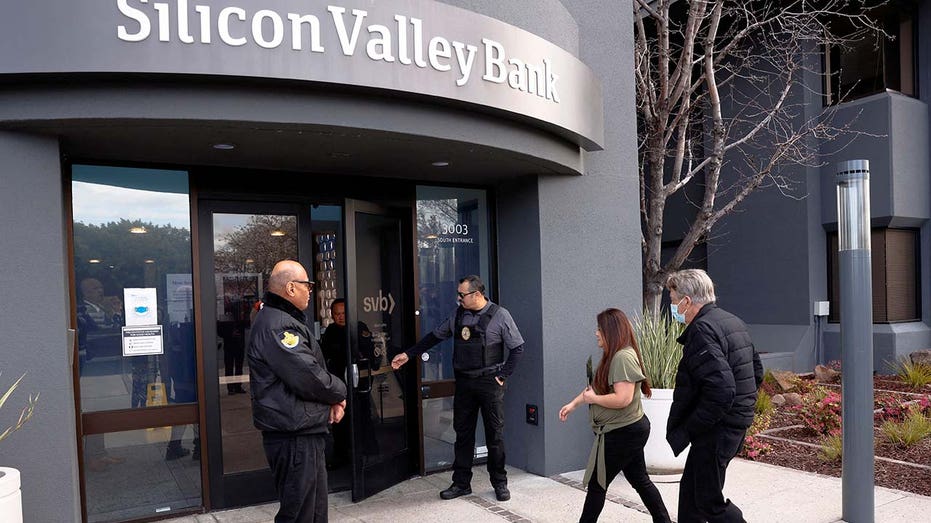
[{"x": 772, "y": 260}]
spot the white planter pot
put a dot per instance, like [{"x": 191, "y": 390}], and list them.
[
  {"x": 11, "y": 501},
  {"x": 657, "y": 453}
]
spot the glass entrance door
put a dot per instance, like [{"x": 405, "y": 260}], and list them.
[
  {"x": 241, "y": 242},
  {"x": 377, "y": 255}
]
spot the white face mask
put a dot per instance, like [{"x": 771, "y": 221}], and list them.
[{"x": 676, "y": 315}]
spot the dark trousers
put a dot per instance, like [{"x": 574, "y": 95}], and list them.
[
  {"x": 233, "y": 356},
  {"x": 299, "y": 467},
  {"x": 700, "y": 489},
  {"x": 624, "y": 452},
  {"x": 472, "y": 395}
]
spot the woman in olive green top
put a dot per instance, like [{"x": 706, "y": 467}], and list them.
[{"x": 621, "y": 429}]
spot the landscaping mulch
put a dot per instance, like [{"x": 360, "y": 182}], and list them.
[
  {"x": 912, "y": 476},
  {"x": 889, "y": 475},
  {"x": 919, "y": 453},
  {"x": 883, "y": 382}
]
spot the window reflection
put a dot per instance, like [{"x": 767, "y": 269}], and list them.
[
  {"x": 452, "y": 242},
  {"x": 132, "y": 231},
  {"x": 246, "y": 248},
  {"x": 130, "y": 474}
]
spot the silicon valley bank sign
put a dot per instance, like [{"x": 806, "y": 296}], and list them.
[
  {"x": 418, "y": 47},
  {"x": 402, "y": 43}
]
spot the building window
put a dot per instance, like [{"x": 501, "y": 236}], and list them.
[
  {"x": 894, "y": 256},
  {"x": 453, "y": 240},
  {"x": 134, "y": 313},
  {"x": 870, "y": 63}
]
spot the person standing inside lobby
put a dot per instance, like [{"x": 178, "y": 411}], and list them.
[
  {"x": 294, "y": 397},
  {"x": 714, "y": 399},
  {"x": 487, "y": 346}
]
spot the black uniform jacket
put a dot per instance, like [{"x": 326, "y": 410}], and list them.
[
  {"x": 291, "y": 389},
  {"x": 717, "y": 379}
]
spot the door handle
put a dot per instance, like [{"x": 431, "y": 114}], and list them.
[
  {"x": 354, "y": 373},
  {"x": 368, "y": 367}
]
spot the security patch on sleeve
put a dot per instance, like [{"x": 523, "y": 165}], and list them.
[{"x": 289, "y": 339}]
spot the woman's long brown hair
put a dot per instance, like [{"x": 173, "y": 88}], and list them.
[{"x": 617, "y": 334}]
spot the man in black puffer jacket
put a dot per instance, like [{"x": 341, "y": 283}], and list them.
[
  {"x": 714, "y": 399},
  {"x": 294, "y": 398}
]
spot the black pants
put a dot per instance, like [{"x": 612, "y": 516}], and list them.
[
  {"x": 700, "y": 489},
  {"x": 472, "y": 395},
  {"x": 299, "y": 467},
  {"x": 233, "y": 356},
  {"x": 624, "y": 452}
]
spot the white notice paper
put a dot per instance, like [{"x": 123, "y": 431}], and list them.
[
  {"x": 142, "y": 341},
  {"x": 141, "y": 306}
]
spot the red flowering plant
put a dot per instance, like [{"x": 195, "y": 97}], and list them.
[
  {"x": 754, "y": 446},
  {"x": 890, "y": 407},
  {"x": 820, "y": 412}
]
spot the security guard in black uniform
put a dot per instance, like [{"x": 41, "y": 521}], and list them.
[
  {"x": 294, "y": 397},
  {"x": 483, "y": 332}
]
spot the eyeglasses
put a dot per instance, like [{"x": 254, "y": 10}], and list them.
[
  {"x": 464, "y": 294},
  {"x": 308, "y": 283}
]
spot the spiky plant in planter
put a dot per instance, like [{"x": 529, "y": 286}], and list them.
[
  {"x": 24, "y": 414},
  {"x": 656, "y": 336}
]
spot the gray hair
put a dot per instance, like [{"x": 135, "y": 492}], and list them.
[{"x": 694, "y": 283}]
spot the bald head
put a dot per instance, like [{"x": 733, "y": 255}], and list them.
[
  {"x": 92, "y": 290},
  {"x": 287, "y": 280}
]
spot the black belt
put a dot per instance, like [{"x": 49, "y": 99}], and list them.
[{"x": 478, "y": 373}]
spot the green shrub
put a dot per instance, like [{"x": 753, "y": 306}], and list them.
[
  {"x": 914, "y": 428},
  {"x": 656, "y": 336},
  {"x": 764, "y": 403},
  {"x": 832, "y": 448},
  {"x": 916, "y": 375}
]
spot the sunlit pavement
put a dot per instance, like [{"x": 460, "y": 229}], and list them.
[{"x": 765, "y": 493}]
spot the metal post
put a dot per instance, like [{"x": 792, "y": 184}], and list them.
[{"x": 856, "y": 316}]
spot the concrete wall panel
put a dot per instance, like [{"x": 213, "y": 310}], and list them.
[{"x": 34, "y": 327}]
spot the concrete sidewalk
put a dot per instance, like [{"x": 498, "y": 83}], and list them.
[{"x": 765, "y": 493}]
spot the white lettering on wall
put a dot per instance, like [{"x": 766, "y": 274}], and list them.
[
  {"x": 494, "y": 61},
  {"x": 184, "y": 32},
  {"x": 465, "y": 61},
  {"x": 163, "y": 22},
  {"x": 223, "y": 21},
  {"x": 439, "y": 48},
  {"x": 296, "y": 33},
  {"x": 204, "y": 12},
  {"x": 418, "y": 42},
  {"x": 277, "y": 29},
  {"x": 345, "y": 41},
  {"x": 402, "y": 41},
  {"x": 145, "y": 27},
  {"x": 379, "y": 48}
]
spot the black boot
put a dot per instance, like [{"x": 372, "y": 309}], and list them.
[{"x": 175, "y": 450}]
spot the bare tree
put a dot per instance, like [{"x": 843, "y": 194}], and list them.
[{"x": 724, "y": 83}]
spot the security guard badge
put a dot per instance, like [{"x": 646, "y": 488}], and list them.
[
  {"x": 466, "y": 333},
  {"x": 289, "y": 340}
]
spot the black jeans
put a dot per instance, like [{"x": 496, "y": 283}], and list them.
[
  {"x": 472, "y": 395},
  {"x": 299, "y": 467},
  {"x": 700, "y": 489},
  {"x": 624, "y": 452}
]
